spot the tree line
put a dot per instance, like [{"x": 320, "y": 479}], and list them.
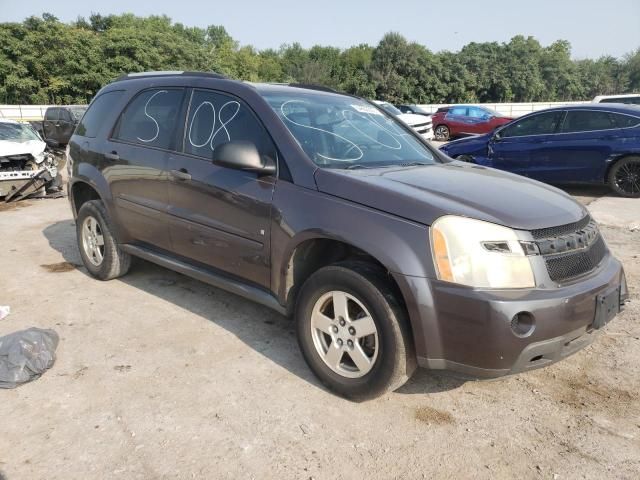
[{"x": 45, "y": 61}]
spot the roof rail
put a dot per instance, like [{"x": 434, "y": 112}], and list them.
[
  {"x": 165, "y": 73},
  {"x": 311, "y": 86}
]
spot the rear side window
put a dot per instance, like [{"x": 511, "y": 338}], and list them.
[
  {"x": 99, "y": 109},
  {"x": 152, "y": 118},
  {"x": 587, "y": 120},
  {"x": 540, "y": 124},
  {"x": 215, "y": 118},
  {"x": 625, "y": 121},
  {"x": 458, "y": 111},
  {"x": 65, "y": 115}
]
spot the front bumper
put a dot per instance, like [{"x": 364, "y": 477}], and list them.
[{"x": 468, "y": 330}]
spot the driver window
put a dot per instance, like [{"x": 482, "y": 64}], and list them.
[
  {"x": 215, "y": 118},
  {"x": 540, "y": 124}
]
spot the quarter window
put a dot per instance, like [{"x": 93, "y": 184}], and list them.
[
  {"x": 151, "y": 118},
  {"x": 586, "y": 120},
  {"x": 625, "y": 121},
  {"x": 99, "y": 109},
  {"x": 540, "y": 124},
  {"x": 215, "y": 119}
]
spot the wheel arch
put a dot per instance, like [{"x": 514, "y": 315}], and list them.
[{"x": 312, "y": 252}]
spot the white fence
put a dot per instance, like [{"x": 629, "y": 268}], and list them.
[
  {"x": 23, "y": 112},
  {"x": 508, "y": 109},
  {"x": 36, "y": 112}
]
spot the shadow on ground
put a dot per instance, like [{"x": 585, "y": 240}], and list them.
[{"x": 258, "y": 327}]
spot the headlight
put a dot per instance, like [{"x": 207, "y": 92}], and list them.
[{"x": 479, "y": 254}]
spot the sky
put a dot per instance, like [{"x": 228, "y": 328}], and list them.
[{"x": 594, "y": 27}]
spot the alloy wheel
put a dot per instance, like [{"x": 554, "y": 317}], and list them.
[
  {"x": 92, "y": 241},
  {"x": 627, "y": 178},
  {"x": 344, "y": 334}
]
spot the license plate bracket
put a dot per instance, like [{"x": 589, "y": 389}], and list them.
[{"x": 607, "y": 307}]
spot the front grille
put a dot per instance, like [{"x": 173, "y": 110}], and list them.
[
  {"x": 571, "y": 250},
  {"x": 569, "y": 265}
]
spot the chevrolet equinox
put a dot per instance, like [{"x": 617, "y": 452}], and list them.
[{"x": 320, "y": 205}]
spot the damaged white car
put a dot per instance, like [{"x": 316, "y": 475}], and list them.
[{"x": 26, "y": 167}]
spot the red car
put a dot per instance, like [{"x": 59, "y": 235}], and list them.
[{"x": 462, "y": 120}]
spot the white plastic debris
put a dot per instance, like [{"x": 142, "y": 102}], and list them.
[{"x": 4, "y": 311}]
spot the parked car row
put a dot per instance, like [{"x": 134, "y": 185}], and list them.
[
  {"x": 597, "y": 143},
  {"x": 325, "y": 207}
]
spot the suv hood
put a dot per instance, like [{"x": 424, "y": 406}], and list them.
[
  {"x": 34, "y": 147},
  {"x": 424, "y": 193}
]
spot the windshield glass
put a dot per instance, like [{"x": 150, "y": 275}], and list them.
[
  {"x": 492, "y": 112},
  {"x": 337, "y": 131},
  {"x": 17, "y": 132},
  {"x": 77, "y": 112},
  {"x": 390, "y": 108}
]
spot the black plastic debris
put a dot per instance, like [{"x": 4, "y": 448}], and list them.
[{"x": 25, "y": 355}]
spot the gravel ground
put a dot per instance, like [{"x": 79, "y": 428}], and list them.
[{"x": 160, "y": 376}]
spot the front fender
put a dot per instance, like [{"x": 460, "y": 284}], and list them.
[{"x": 300, "y": 214}]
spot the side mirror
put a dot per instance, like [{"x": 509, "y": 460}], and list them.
[
  {"x": 243, "y": 155},
  {"x": 51, "y": 143}
]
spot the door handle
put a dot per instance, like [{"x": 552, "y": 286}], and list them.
[
  {"x": 181, "y": 174},
  {"x": 112, "y": 155}
]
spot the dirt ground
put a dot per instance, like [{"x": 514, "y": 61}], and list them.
[{"x": 161, "y": 377}]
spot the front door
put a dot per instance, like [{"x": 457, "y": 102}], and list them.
[
  {"x": 525, "y": 146},
  {"x": 221, "y": 216}
]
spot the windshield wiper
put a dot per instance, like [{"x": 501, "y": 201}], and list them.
[{"x": 355, "y": 166}]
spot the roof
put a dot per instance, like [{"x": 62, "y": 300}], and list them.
[
  {"x": 6, "y": 120},
  {"x": 607, "y": 107}
]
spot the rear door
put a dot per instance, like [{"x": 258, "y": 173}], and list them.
[
  {"x": 50, "y": 123},
  {"x": 525, "y": 146},
  {"x": 136, "y": 157},
  {"x": 586, "y": 139},
  {"x": 221, "y": 216}
]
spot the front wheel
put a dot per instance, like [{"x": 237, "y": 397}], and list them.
[
  {"x": 352, "y": 331},
  {"x": 624, "y": 177}
]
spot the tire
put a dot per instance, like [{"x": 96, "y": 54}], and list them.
[
  {"x": 389, "y": 351},
  {"x": 92, "y": 228},
  {"x": 441, "y": 133},
  {"x": 624, "y": 177}
]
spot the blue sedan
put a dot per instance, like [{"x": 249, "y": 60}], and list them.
[{"x": 585, "y": 144}]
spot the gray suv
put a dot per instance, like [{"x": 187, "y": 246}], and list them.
[{"x": 388, "y": 254}]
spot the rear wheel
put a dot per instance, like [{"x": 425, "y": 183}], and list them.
[
  {"x": 441, "y": 133},
  {"x": 353, "y": 333},
  {"x": 98, "y": 248},
  {"x": 624, "y": 177}
]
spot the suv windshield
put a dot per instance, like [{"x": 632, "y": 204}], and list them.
[
  {"x": 338, "y": 131},
  {"x": 16, "y": 132}
]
